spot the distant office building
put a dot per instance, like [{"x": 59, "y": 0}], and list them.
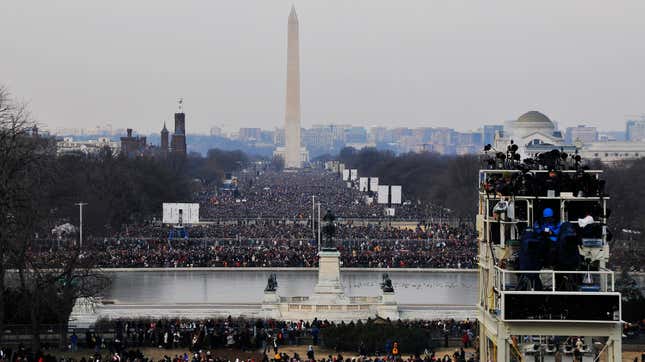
[
  {"x": 216, "y": 131},
  {"x": 379, "y": 135},
  {"x": 267, "y": 137},
  {"x": 133, "y": 146},
  {"x": 425, "y": 133},
  {"x": 399, "y": 132},
  {"x": 250, "y": 134},
  {"x": 443, "y": 136},
  {"x": 467, "y": 142},
  {"x": 605, "y": 137},
  {"x": 635, "y": 130},
  {"x": 355, "y": 135},
  {"x": 613, "y": 136},
  {"x": 68, "y": 145},
  {"x": 581, "y": 133},
  {"x": 338, "y": 133},
  {"x": 488, "y": 133},
  {"x": 467, "y": 138},
  {"x": 278, "y": 137},
  {"x": 419, "y": 134},
  {"x": 317, "y": 137},
  {"x": 410, "y": 143},
  {"x": 611, "y": 152}
]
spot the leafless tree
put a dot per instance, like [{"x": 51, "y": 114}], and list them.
[
  {"x": 57, "y": 284},
  {"x": 16, "y": 157},
  {"x": 28, "y": 171}
]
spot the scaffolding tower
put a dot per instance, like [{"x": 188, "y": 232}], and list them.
[{"x": 518, "y": 320}]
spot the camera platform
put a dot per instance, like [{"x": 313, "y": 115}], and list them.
[{"x": 544, "y": 284}]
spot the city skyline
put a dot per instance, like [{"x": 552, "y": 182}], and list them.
[{"x": 434, "y": 65}]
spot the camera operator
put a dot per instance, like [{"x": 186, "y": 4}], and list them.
[
  {"x": 548, "y": 230},
  {"x": 547, "y": 227}
]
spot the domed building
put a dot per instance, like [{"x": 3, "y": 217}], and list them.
[{"x": 533, "y": 132}]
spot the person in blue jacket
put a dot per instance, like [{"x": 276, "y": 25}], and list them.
[
  {"x": 549, "y": 230},
  {"x": 547, "y": 227}
]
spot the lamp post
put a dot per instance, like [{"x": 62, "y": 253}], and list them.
[
  {"x": 319, "y": 230},
  {"x": 80, "y": 223},
  {"x": 313, "y": 215}
]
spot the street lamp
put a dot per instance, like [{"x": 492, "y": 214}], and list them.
[
  {"x": 319, "y": 233},
  {"x": 313, "y": 216},
  {"x": 80, "y": 223}
]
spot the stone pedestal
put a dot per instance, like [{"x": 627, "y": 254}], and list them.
[
  {"x": 84, "y": 313},
  {"x": 271, "y": 304},
  {"x": 329, "y": 300},
  {"x": 388, "y": 307},
  {"x": 329, "y": 288}
]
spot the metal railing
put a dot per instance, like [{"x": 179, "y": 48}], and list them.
[{"x": 556, "y": 280}]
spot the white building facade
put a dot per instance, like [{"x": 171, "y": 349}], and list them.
[{"x": 68, "y": 145}]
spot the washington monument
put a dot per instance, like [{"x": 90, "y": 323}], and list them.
[{"x": 292, "y": 154}]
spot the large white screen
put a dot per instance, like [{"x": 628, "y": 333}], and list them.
[
  {"x": 396, "y": 194},
  {"x": 173, "y": 212},
  {"x": 383, "y": 191},
  {"x": 362, "y": 184},
  {"x": 373, "y": 184}
]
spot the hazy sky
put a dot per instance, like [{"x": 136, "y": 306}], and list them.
[{"x": 453, "y": 63}]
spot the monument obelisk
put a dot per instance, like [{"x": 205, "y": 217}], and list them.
[{"x": 292, "y": 114}]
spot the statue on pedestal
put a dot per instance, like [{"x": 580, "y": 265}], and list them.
[
  {"x": 272, "y": 283},
  {"x": 386, "y": 285},
  {"x": 329, "y": 230}
]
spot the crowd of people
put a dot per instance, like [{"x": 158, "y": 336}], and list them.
[
  {"x": 268, "y": 244},
  {"x": 627, "y": 257},
  {"x": 215, "y": 340},
  {"x": 264, "y": 220},
  {"x": 198, "y": 337},
  {"x": 289, "y": 230},
  {"x": 288, "y": 195}
]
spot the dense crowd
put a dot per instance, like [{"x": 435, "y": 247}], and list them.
[
  {"x": 265, "y": 221},
  {"x": 630, "y": 257},
  {"x": 284, "y": 245},
  {"x": 396, "y": 254},
  {"x": 206, "y": 356},
  {"x": 199, "y": 337},
  {"x": 289, "y": 230},
  {"x": 215, "y": 340},
  {"x": 288, "y": 195}
]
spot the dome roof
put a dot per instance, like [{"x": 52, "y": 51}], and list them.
[{"x": 535, "y": 117}]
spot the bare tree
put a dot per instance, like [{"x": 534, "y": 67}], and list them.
[
  {"x": 28, "y": 173},
  {"x": 16, "y": 157},
  {"x": 51, "y": 287}
]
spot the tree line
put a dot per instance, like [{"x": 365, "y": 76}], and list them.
[{"x": 449, "y": 182}]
